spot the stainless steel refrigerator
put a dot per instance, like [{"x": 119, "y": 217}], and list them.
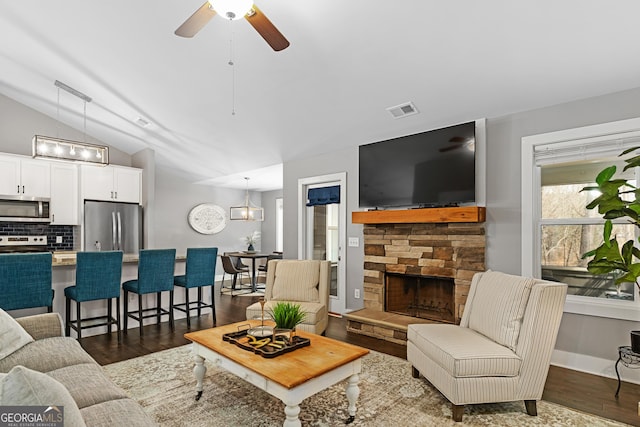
[{"x": 110, "y": 226}]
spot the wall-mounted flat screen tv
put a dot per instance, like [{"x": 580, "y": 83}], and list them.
[{"x": 428, "y": 169}]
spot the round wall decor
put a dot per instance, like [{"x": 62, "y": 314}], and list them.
[{"x": 207, "y": 218}]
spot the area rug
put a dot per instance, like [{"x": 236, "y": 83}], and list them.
[{"x": 164, "y": 384}]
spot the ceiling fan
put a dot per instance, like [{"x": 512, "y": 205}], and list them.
[{"x": 232, "y": 10}]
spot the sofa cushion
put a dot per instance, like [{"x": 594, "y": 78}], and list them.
[
  {"x": 463, "y": 352},
  {"x": 87, "y": 384},
  {"x": 296, "y": 280},
  {"x": 26, "y": 387},
  {"x": 47, "y": 355},
  {"x": 499, "y": 302},
  {"x": 314, "y": 311},
  {"x": 117, "y": 412},
  {"x": 12, "y": 336}
]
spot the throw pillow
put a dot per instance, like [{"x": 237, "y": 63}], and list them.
[
  {"x": 296, "y": 280},
  {"x": 26, "y": 387},
  {"x": 498, "y": 306},
  {"x": 12, "y": 336}
]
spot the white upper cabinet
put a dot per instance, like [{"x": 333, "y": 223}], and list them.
[
  {"x": 64, "y": 194},
  {"x": 111, "y": 183},
  {"x": 22, "y": 176}
]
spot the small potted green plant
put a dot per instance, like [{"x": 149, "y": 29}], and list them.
[{"x": 287, "y": 315}]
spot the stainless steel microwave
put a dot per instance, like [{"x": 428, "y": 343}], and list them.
[{"x": 22, "y": 209}]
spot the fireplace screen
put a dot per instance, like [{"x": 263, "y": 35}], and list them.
[{"x": 420, "y": 296}]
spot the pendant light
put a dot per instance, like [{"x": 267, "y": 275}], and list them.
[{"x": 246, "y": 212}]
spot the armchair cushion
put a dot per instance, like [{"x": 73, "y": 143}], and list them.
[
  {"x": 12, "y": 336},
  {"x": 296, "y": 281},
  {"x": 462, "y": 352},
  {"x": 499, "y": 302}
]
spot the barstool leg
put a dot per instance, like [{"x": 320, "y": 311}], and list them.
[
  {"x": 140, "y": 313},
  {"x": 109, "y": 315},
  {"x": 158, "y": 307},
  {"x": 213, "y": 306},
  {"x": 78, "y": 322},
  {"x": 171, "y": 310},
  {"x": 199, "y": 301},
  {"x": 186, "y": 306},
  {"x": 118, "y": 318},
  {"x": 67, "y": 324},
  {"x": 125, "y": 311}
]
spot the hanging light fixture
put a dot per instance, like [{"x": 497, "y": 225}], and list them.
[
  {"x": 247, "y": 212},
  {"x": 63, "y": 149}
]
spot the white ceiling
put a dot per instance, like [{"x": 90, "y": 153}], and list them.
[{"x": 456, "y": 60}]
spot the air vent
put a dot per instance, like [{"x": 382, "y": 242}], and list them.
[
  {"x": 403, "y": 110},
  {"x": 142, "y": 122}
]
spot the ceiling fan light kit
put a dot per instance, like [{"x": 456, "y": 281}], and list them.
[{"x": 234, "y": 10}]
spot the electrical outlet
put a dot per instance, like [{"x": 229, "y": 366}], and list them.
[
  {"x": 356, "y": 293},
  {"x": 58, "y": 239}
]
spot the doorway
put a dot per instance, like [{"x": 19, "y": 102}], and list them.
[{"x": 321, "y": 228}]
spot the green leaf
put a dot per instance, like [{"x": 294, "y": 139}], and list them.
[
  {"x": 605, "y": 175},
  {"x": 606, "y": 234}
]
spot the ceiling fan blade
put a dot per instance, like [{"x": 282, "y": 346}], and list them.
[
  {"x": 195, "y": 22},
  {"x": 266, "y": 29}
]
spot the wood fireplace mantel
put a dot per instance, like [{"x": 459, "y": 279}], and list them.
[{"x": 423, "y": 215}]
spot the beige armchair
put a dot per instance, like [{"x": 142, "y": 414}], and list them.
[
  {"x": 502, "y": 348},
  {"x": 304, "y": 282}
]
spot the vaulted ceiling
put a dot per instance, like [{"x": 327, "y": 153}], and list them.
[{"x": 348, "y": 61}]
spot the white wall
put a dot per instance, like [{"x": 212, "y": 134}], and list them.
[{"x": 268, "y": 238}]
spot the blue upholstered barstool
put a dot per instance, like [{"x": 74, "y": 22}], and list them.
[
  {"x": 98, "y": 277},
  {"x": 25, "y": 281},
  {"x": 155, "y": 275},
  {"x": 200, "y": 271}
]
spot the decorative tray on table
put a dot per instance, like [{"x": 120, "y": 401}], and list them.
[{"x": 269, "y": 346}]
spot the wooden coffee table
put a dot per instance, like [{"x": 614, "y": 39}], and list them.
[{"x": 291, "y": 377}]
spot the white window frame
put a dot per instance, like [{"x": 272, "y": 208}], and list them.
[{"x": 559, "y": 147}]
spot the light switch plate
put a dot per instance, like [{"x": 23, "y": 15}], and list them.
[
  {"x": 354, "y": 242},
  {"x": 58, "y": 239}
]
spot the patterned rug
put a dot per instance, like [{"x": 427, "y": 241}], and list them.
[{"x": 164, "y": 384}]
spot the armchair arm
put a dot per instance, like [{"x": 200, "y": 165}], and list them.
[{"x": 44, "y": 325}]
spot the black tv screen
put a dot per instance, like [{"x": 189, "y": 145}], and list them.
[{"x": 434, "y": 168}]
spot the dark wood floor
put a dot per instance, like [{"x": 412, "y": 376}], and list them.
[{"x": 588, "y": 393}]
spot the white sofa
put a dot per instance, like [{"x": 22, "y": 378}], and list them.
[{"x": 501, "y": 350}]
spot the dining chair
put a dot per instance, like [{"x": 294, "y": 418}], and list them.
[
  {"x": 155, "y": 275},
  {"x": 98, "y": 276},
  {"x": 25, "y": 281},
  {"x": 229, "y": 267},
  {"x": 262, "y": 268},
  {"x": 200, "y": 271}
]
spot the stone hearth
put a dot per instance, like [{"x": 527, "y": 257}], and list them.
[{"x": 454, "y": 250}]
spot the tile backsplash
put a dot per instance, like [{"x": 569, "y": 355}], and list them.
[{"x": 67, "y": 232}]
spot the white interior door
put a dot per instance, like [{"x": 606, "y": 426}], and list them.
[{"x": 322, "y": 234}]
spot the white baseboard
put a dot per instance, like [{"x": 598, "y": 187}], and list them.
[{"x": 594, "y": 365}]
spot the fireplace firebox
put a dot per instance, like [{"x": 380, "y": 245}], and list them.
[{"x": 424, "y": 297}]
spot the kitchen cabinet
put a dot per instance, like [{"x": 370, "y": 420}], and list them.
[
  {"x": 111, "y": 183},
  {"x": 23, "y": 176},
  {"x": 64, "y": 194}
]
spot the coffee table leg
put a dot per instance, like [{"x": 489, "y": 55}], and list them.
[
  {"x": 291, "y": 410},
  {"x": 199, "y": 370},
  {"x": 352, "y": 391}
]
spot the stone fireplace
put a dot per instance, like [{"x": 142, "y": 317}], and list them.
[{"x": 426, "y": 264}]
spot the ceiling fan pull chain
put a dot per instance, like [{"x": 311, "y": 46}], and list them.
[{"x": 233, "y": 70}]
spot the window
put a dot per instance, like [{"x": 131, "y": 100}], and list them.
[
  {"x": 556, "y": 226},
  {"x": 568, "y": 229}
]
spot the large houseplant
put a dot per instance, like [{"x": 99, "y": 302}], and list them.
[{"x": 618, "y": 199}]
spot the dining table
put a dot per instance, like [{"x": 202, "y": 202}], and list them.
[{"x": 253, "y": 256}]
